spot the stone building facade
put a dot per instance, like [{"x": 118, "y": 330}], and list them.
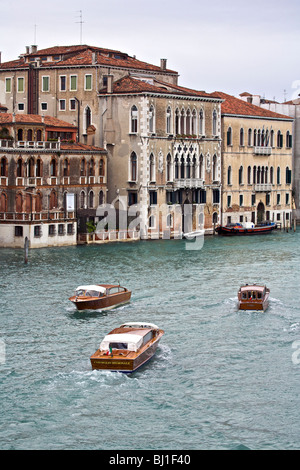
[
  {"x": 164, "y": 154},
  {"x": 256, "y": 163},
  {"x": 63, "y": 82},
  {"x": 292, "y": 109},
  {"x": 49, "y": 184}
]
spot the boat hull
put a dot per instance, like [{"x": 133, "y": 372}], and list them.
[
  {"x": 253, "y": 306},
  {"x": 127, "y": 364},
  {"x": 233, "y": 231},
  {"x": 102, "y": 303}
]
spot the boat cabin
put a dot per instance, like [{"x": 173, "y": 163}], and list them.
[
  {"x": 253, "y": 292},
  {"x": 129, "y": 337},
  {"x": 90, "y": 291},
  {"x": 253, "y": 297}
]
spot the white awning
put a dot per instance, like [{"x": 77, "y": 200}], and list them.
[
  {"x": 92, "y": 288},
  {"x": 133, "y": 342}
]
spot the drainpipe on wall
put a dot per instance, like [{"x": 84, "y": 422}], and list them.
[{"x": 78, "y": 118}]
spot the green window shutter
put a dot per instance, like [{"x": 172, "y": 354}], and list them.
[
  {"x": 88, "y": 82},
  {"x": 8, "y": 85},
  {"x": 73, "y": 82}
]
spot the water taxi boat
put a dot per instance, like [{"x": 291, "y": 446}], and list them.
[
  {"x": 127, "y": 348},
  {"x": 247, "y": 228},
  {"x": 100, "y": 296},
  {"x": 253, "y": 297}
]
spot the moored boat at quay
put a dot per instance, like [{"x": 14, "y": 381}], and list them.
[
  {"x": 127, "y": 348},
  {"x": 247, "y": 228}
]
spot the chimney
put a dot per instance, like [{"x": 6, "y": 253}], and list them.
[
  {"x": 27, "y": 50},
  {"x": 110, "y": 83},
  {"x": 33, "y": 49},
  {"x": 94, "y": 58},
  {"x": 163, "y": 64}
]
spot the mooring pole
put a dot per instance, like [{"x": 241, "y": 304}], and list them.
[{"x": 26, "y": 244}]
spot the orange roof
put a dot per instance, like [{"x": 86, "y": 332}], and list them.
[
  {"x": 129, "y": 84},
  {"x": 83, "y": 55},
  {"x": 237, "y": 107},
  {"x": 77, "y": 146}
]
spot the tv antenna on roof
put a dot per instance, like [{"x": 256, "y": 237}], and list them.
[
  {"x": 34, "y": 36},
  {"x": 81, "y": 23}
]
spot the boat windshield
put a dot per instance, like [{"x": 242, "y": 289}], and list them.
[
  {"x": 118, "y": 345},
  {"x": 88, "y": 293}
]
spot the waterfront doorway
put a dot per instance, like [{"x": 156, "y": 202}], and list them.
[{"x": 260, "y": 212}]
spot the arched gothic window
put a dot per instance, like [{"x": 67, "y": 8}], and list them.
[
  {"x": 214, "y": 125},
  {"x": 133, "y": 167},
  {"x": 151, "y": 119},
  {"x": 169, "y": 120},
  {"x": 133, "y": 119}
]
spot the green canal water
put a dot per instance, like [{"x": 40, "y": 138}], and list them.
[{"x": 221, "y": 379}]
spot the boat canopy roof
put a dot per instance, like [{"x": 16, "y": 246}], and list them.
[
  {"x": 136, "y": 324},
  {"x": 252, "y": 287},
  {"x": 132, "y": 341},
  {"x": 92, "y": 288}
]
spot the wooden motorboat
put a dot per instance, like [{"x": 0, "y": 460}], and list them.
[
  {"x": 127, "y": 348},
  {"x": 100, "y": 296},
  {"x": 247, "y": 228},
  {"x": 253, "y": 297}
]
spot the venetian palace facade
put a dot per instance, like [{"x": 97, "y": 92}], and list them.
[
  {"x": 256, "y": 163},
  {"x": 162, "y": 142}
]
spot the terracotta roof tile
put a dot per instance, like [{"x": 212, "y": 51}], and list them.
[
  {"x": 7, "y": 118},
  {"x": 129, "y": 84},
  {"x": 84, "y": 55},
  {"x": 80, "y": 147},
  {"x": 238, "y": 107}
]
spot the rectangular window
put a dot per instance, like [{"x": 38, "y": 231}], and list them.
[
  {"x": 88, "y": 82},
  {"x": 8, "y": 85},
  {"x": 241, "y": 200},
  {"x": 62, "y": 105},
  {"x": 268, "y": 200},
  {"x": 37, "y": 231},
  {"x": 61, "y": 229},
  {"x": 72, "y": 104},
  {"x": 252, "y": 199},
  {"x": 18, "y": 231},
  {"x": 287, "y": 198},
  {"x": 132, "y": 198},
  {"x": 20, "y": 85},
  {"x": 51, "y": 229},
  {"x": 44, "y": 106},
  {"x": 278, "y": 198},
  {"x": 70, "y": 229},
  {"x": 73, "y": 82},
  {"x": 45, "y": 83},
  {"x": 153, "y": 197},
  {"x": 62, "y": 83},
  {"x": 216, "y": 196},
  {"x": 228, "y": 201},
  {"x": 21, "y": 106}
]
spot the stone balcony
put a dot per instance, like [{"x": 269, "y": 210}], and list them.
[
  {"x": 262, "y": 150},
  {"x": 262, "y": 187},
  {"x": 191, "y": 183}
]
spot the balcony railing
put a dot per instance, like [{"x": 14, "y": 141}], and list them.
[
  {"x": 40, "y": 145},
  {"x": 53, "y": 215},
  {"x": 189, "y": 183},
  {"x": 262, "y": 150},
  {"x": 262, "y": 187}
]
